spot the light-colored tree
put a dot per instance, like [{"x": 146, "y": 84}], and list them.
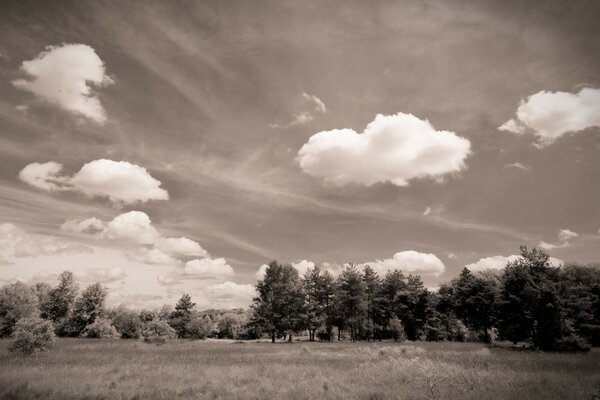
[
  {"x": 17, "y": 300},
  {"x": 101, "y": 328},
  {"x": 32, "y": 335}
]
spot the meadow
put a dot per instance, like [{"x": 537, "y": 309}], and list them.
[{"x": 130, "y": 369}]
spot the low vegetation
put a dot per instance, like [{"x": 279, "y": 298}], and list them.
[{"x": 87, "y": 369}]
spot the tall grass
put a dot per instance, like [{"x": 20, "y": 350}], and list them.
[{"x": 122, "y": 369}]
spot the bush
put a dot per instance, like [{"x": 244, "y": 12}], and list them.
[
  {"x": 128, "y": 324},
  {"x": 158, "y": 331},
  {"x": 100, "y": 329},
  {"x": 200, "y": 327},
  {"x": 32, "y": 335},
  {"x": 396, "y": 330},
  {"x": 572, "y": 343}
]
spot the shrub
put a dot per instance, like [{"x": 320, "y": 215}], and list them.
[
  {"x": 200, "y": 327},
  {"x": 128, "y": 324},
  {"x": 158, "y": 331},
  {"x": 572, "y": 343},
  {"x": 100, "y": 329},
  {"x": 32, "y": 335},
  {"x": 397, "y": 330}
]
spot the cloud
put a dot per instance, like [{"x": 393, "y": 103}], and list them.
[
  {"x": 44, "y": 176},
  {"x": 451, "y": 256},
  {"x": 120, "y": 181},
  {"x": 411, "y": 262},
  {"x": 208, "y": 267},
  {"x": 89, "y": 226},
  {"x": 134, "y": 226},
  {"x": 303, "y": 266},
  {"x": 518, "y": 165},
  {"x": 550, "y": 115},
  {"x": 393, "y": 148},
  {"x": 499, "y": 262},
  {"x": 181, "y": 247},
  {"x": 15, "y": 243},
  {"x": 153, "y": 256},
  {"x": 427, "y": 211},
  {"x": 564, "y": 237},
  {"x": 309, "y": 106},
  {"x": 66, "y": 76}
]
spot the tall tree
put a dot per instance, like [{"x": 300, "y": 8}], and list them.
[
  {"x": 374, "y": 301},
  {"x": 183, "y": 314},
  {"x": 413, "y": 305},
  {"x": 17, "y": 300},
  {"x": 352, "y": 299},
  {"x": 59, "y": 302},
  {"x": 278, "y": 307},
  {"x": 87, "y": 308},
  {"x": 314, "y": 308}
]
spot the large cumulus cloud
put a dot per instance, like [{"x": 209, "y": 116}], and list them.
[{"x": 393, "y": 148}]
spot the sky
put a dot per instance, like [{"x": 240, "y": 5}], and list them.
[{"x": 163, "y": 148}]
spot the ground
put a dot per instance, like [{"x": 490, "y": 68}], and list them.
[{"x": 129, "y": 369}]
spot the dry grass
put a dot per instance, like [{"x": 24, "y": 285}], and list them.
[{"x": 121, "y": 369}]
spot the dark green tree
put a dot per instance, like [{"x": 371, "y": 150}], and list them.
[{"x": 182, "y": 315}]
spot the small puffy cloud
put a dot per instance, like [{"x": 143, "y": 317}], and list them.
[
  {"x": 15, "y": 243},
  {"x": 427, "y": 211},
  {"x": 412, "y": 262},
  {"x": 90, "y": 226},
  {"x": 134, "y": 226},
  {"x": 451, "y": 256},
  {"x": 181, "y": 247},
  {"x": 499, "y": 262},
  {"x": 66, "y": 76},
  {"x": 43, "y": 176},
  {"x": 208, "y": 267},
  {"x": 309, "y": 106},
  {"x": 119, "y": 181},
  {"x": 494, "y": 262},
  {"x": 518, "y": 165},
  {"x": 393, "y": 148},
  {"x": 564, "y": 237},
  {"x": 153, "y": 256},
  {"x": 550, "y": 115},
  {"x": 303, "y": 266}
]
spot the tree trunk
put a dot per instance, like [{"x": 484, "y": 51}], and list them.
[
  {"x": 273, "y": 337},
  {"x": 290, "y": 338}
]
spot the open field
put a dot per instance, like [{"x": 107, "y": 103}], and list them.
[{"x": 121, "y": 369}]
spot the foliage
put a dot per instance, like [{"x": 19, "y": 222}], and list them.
[
  {"x": 58, "y": 303},
  {"x": 158, "y": 331},
  {"x": 230, "y": 325},
  {"x": 182, "y": 316},
  {"x": 200, "y": 327},
  {"x": 32, "y": 335},
  {"x": 396, "y": 329},
  {"x": 101, "y": 328},
  {"x": 127, "y": 323},
  {"x": 88, "y": 306},
  {"x": 17, "y": 300}
]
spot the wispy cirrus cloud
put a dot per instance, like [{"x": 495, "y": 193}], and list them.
[{"x": 310, "y": 106}]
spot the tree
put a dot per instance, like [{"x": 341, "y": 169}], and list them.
[
  {"x": 393, "y": 283},
  {"x": 279, "y": 306},
  {"x": 412, "y": 305},
  {"x": 529, "y": 301},
  {"x": 314, "y": 308},
  {"x": 101, "y": 328},
  {"x": 158, "y": 331},
  {"x": 127, "y": 323},
  {"x": 57, "y": 305},
  {"x": 17, "y": 300},
  {"x": 31, "y": 335},
  {"x": 200, "y": 327},
  {"x": 88, "y": 306},
  {"x": 397, "y": 329},
  {"x": 182, "y": 315},
  {"x": 327, "y": 292},
  {"x": 352, "y": 299},
  {"x": 475, "y": 301},
  {"x": 230, "y": 325},
  {"x": 373, "y": 300}
]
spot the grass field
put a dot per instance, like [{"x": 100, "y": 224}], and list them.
[{"x": 122, "y": 369}]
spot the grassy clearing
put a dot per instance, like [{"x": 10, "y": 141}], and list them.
[{"x": 122, "y": 369}]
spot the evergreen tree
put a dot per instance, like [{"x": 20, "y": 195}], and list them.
[
  {"x": 352, "y": 299},
  {"x": 183, "y": 314}
]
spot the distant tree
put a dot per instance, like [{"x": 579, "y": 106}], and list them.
[
  {"x": 127, "y": 323},
  {"x": 17, "y": 300},
  {"x": 529, "y": 301},
  {"x": 230, "y": 325},
  {"x": 278, "y": 307},
  {"x": 146, "y": 316},
  {"x": 200, "y": 327},
  {"x": 374, "y": 301},
  {"x": 31, "y": 335},
  {"x": 42, "y": 291},
  {"x": 352, "y": 299},
  {"x": 58, "y": 304},
  {"x": 475, "y": 301},
  {"x": 393, "y": 283},
  {"x": 101, "y": 328},
  {"x": 412, "y": 306},
  {"x": 314, "y": 308},
  {"x": 158, "y": 331},
  {"x": 182, "y": 315},
  {"x": 327, "y": 299},
  {"x": 88, "y": 306}
]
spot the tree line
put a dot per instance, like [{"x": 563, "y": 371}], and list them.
[{"x": 530, "y": 301}]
